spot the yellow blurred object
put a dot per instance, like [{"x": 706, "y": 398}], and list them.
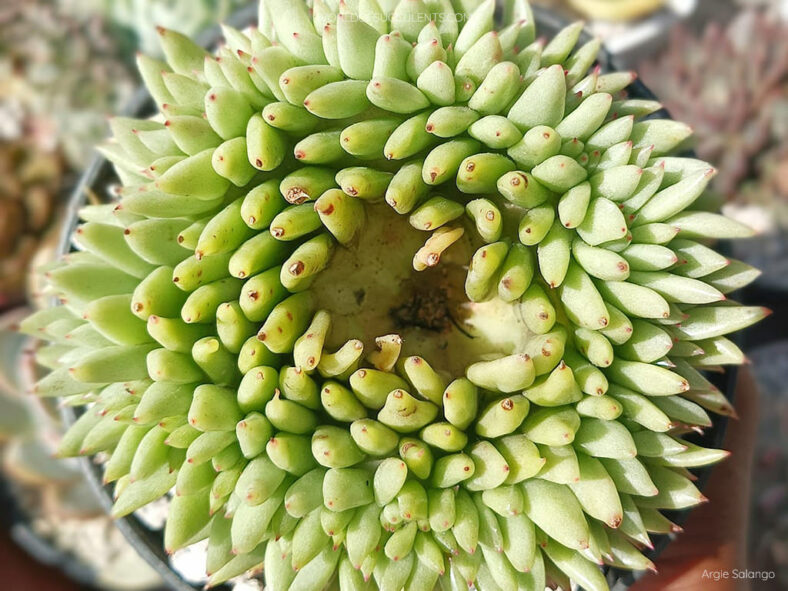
[{"x": 616, "y": 10}]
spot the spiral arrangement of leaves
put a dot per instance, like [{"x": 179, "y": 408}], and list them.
[{"x": 394, "y": 299}]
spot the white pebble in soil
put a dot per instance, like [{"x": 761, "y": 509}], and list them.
[
  {"x": 154, "y": 515},
  {"x": 190, "y": 562}
]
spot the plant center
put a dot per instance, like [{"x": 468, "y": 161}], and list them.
[{"x": 371, "y": 289}]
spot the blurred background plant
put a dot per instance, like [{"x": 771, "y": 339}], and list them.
[
  {"x": 62, "y": 73},
  {"x": 56, "y": 515},
  {"x": 139, "y": 18},
  {"x": 731, "y": 84}
]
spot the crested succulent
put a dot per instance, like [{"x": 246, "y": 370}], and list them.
[{"x": 395, "y": 299}]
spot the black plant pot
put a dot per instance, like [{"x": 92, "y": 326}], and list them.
[{"x": 100, "y": 178}]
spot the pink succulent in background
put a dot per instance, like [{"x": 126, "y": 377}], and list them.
[{"x": 731, "y": 85}]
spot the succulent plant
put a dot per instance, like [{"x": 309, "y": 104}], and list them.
[
  {"x": 731, "y": 85},
  {"x": 60, "y": 74},
  {"x": 142, "y": 16},
  {"x": 395, "y": 299},
  {"x": 54, "y": 92},
  {"x": 51, "y": 496}
]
